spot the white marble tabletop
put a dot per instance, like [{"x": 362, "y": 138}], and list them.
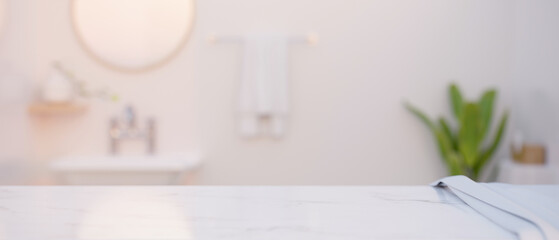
[{"x": 267, "y": 213}]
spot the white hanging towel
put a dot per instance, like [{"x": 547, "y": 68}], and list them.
[{"x": 264, "y": 85}]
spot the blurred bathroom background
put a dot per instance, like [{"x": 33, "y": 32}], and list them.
[{"x": 350, "y": 67}]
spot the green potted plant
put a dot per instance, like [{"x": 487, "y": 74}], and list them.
[{"x": 462, "y": 148}]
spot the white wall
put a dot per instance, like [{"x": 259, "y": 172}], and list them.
[
  {"x": 347, "y": 126},
  {"x": 16, "y": 72},
  {"x": 536, "y": 70}
]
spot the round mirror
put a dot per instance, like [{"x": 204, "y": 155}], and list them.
[{"x": 132, "y": 35}]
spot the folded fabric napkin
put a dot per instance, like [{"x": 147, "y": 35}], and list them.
[{"x": 525, "y": 213}]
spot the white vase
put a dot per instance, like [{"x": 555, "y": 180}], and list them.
[{"x": 58, "y": 88}]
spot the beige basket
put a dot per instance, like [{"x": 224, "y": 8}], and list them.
[{"x": 530, "y": 154}]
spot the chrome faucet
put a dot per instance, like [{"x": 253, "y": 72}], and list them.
[{"x": 126, "y": 128}]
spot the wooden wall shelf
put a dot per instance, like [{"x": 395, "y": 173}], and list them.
[{"x": 40, "y": 108}]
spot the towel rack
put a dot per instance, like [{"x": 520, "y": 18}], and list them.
[{"x": 309, "y": 38}]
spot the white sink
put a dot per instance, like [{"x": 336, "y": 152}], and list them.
[{"x": 125, "y": 170}]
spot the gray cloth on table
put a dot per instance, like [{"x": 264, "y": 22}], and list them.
[{"x": 525, "y": 213}]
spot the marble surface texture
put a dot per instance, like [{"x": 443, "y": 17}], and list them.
[{"x": 235, "y": 213}]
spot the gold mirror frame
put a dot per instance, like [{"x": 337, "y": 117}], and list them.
[{"x": 148, "y": 67}]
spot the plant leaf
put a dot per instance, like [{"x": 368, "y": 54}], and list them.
[
  {"x": 486, "y": 106},
  {"x": 487, "y": 154},
  {"x": 445, "y": 147},
  {"x": 469, "y": 133},
  {"x": 443, "y": 143},
  {"x": 421, "y": 116},
  {"x": 446, "y": 130},
  {"x": 456, "y": 100},
  {"x": 454, "y": 165}
]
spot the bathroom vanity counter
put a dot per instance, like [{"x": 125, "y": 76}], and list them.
[{"x": 210, "y": 213}]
